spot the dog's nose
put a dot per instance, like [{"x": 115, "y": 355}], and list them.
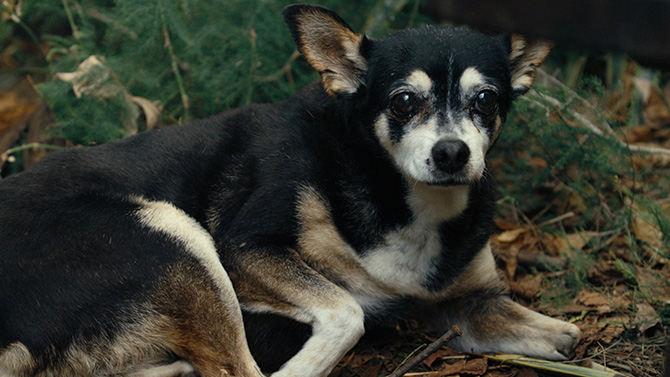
[{"x": 450, "y": 156}]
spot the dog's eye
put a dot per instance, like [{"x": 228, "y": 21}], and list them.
[
  {"x": 486, "y": 102},
  {"x": 403, "y": 104}
]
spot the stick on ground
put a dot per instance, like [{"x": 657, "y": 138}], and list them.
[{"x": 431, "y": 349}]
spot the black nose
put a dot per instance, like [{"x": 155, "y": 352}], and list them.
[{"x": 450, "y": 156}]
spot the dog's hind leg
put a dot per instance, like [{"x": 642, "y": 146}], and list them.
[
  {"x": 491, "y": 321},
  {"x": 196, "y": 297},
  {"x": 277, "y": 281}
]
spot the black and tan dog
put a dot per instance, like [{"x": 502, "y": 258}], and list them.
[{"x": 363, "y": 198}]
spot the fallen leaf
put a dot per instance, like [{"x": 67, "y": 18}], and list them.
[
  {"x": 510, "y": 235},
  {"x": 526, "y": 287},
  {"x": 151, "y": 109},
  {"x": 593, "y": 301},
  {"x": 590, "y": 298},
  {"x": 504, "y": 224},
  {"x": 92, "y": 78},
  {"x": 579, "y": 239},
  {"x": 653, "y": 283},
  {"x": 606, "y": 273},
  {"x": 646, "y": 231},
  {"x": 646, "y": 317},
  {"x": 502, "y": 373},
  {"x": 455, "y": 368},
  {"x": 655, "y": 112},
  {"x": 439, "y": 354},
  {"x": 615, "y": 327},
  {"x": 538, "y": 163},
  {"x": 372, "y": 370},
  {"x": 476, "y": 367}
]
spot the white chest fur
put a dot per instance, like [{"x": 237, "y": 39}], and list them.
[
  {"x": 409, "y": 254},
  {"x": 400, "y": 264}
]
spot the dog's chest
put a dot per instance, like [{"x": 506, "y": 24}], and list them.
[{"x": 399, "y": 265}]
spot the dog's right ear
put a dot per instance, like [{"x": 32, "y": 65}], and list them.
[{"x": 330, "y": 47}]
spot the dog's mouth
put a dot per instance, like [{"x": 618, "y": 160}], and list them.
[{"x": 448, "y": 182}]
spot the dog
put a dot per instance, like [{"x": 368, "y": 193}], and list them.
[{"x": 272, "y": 235}]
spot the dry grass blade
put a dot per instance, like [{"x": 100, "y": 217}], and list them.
[{"x": 556, "y": 368}]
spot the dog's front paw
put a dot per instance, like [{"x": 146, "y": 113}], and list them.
[
  {"x": 550, "y": 338},
  {"x": 518, "y": 330}
]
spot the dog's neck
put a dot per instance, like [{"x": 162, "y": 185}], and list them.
[{"x": 432, "y": 205}]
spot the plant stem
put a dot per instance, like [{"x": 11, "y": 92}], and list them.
[
  {"x": 5, "y": 155},
  {"x": 453, "y": 332},
  {"x": 70, "y": 19},
  {"x": 175, "y": 66},
  {"x": 15, "y": 17}
]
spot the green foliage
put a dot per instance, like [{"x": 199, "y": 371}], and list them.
[
  {"x": 195, "y": 58},
  {"x": 85, "y": 120},
  {"x": 575, "y": 166}
]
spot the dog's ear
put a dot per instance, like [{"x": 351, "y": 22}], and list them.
[
  {"x": 329, "y": 45},
  {"x": 525, "y": 57}
]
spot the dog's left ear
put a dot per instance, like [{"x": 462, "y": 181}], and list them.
[
  {"x": 524, "y": 58},
  {"x": 330, "y": 47}
]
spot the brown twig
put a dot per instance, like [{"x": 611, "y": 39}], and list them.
[{"x": 431, "y": 349}]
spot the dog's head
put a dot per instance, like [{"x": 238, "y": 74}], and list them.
[{"x": 435, "y": 98}]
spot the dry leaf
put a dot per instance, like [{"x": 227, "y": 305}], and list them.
[
  {"x": 653, "y": 283},
  {"x": 455, "y": 368},
  {"x": 646, "y": 317},
  {"x": 372, "y": 370},
  {"x": 437, "y": 355},
  {"x": 646, "y": 231},
  {"x": 93, "y": 78},
  {"x": 594, "y": 301},
  {"x": 502, "y": 373},
  {"x": 504, "y": 224},
  {"x": 151, "y": 109},
  {"x": 579, "y": 239},
  {"x": 527, "y": 287},
  {"x": 13, "y": 110},
  {"x": 590, "y": 298},
  {"x": 476, "y": 367},
  {"x": 510, "y": 235},
  {"x": 655, "y": 112}
]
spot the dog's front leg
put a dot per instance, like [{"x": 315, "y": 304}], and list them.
[
  {"x": 279, "y": 282},
  {"x": 492, "y": 322}
]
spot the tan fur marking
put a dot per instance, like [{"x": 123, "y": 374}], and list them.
[
  {"x": 325, "y": 250},
  {"x": 16, "y": 360},
  {"x": 470, "y": 79},
  {"x": 421, "y": 81},
  {"x": 176, "y": 369},
  {"x": 322, "y": 246},
  {"x": 137, "y": 345},
  {"x": 200, "y": 297},
  {"x": 203, "y": 328},
  {"x": 166, "y": 218},
  {"x": 480, "y": 273}
]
